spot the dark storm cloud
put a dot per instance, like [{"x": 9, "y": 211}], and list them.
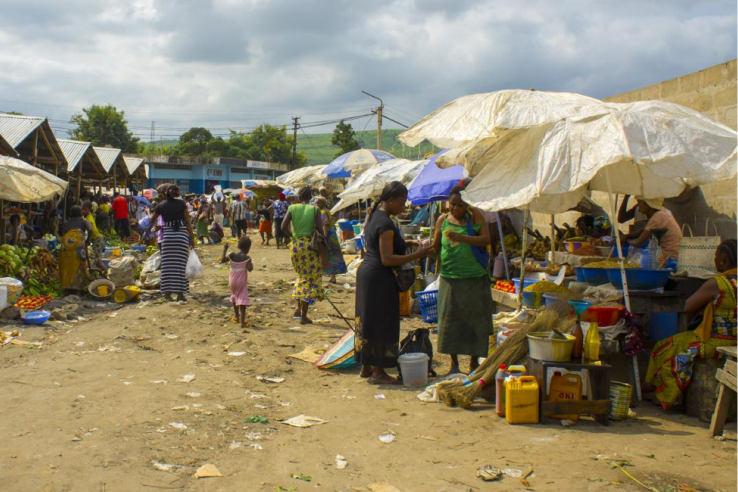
[{"x": 199, "y": 61}]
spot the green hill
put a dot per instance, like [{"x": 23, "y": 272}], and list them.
[{"x": 318, "y": 148}]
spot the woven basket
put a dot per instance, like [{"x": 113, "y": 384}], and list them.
[{"x": 697, "y": 252}]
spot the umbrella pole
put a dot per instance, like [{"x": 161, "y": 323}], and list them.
[
  {"x": 626, "y": 293},
  {"x": 552, "y": 260},
  {"x": 2, "y": 221},
  {"x": 522, "y": 263},
  {"x": 502, "y": 245}
]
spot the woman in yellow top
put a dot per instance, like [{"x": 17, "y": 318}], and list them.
[
  {"x": 670, "y": 368},
  {"x": 96, "y": 239},
  {"x": 73, "y": 255}
]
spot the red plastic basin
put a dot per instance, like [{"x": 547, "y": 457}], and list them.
[{"x": 603, "y": 316}]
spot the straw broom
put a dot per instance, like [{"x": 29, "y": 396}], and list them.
[{"x": 509, "y": 352}]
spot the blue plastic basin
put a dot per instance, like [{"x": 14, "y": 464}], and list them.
[
  {"x": 528, "y": 282},
  {"x": 36, "y": 317},
  {"x": 639, "y": 278},
  {"x": 345, "y": 226},
  {"x": 594, "y": 276}
]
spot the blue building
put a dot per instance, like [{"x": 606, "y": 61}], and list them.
[{"x": 200, "y": 175}]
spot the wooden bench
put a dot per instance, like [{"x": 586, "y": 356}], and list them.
[{"x": 727, "y": 378}]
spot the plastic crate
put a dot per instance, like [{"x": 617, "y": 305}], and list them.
[{"x": 428, "y": 305}]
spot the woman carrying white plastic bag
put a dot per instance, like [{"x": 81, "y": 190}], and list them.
[{"x": 176, "y": 242}]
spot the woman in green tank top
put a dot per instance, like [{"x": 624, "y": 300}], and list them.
[
  {"x": 465, "y": 305},
  {"x": 304, "y": 219}
]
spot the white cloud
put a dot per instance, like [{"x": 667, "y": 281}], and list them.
[{"x": 237, "y": 63}]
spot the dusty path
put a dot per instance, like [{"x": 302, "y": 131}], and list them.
[{"x": 93, "y": 409}]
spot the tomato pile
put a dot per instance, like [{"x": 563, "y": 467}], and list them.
[
  {"x": 505, "y": 286},
  {"x": 32, "y": 302}
]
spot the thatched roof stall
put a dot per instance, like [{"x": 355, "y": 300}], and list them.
[{"x": 33, "y": 140}]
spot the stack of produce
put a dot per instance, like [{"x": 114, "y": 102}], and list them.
[
  {"x": 612, "y": 264},
  {"x": 32, "y": 302},
  {"x": 505, "y": 286},
  {"x": 546, "y": 287},
  {"x": 35, "y": 267}
]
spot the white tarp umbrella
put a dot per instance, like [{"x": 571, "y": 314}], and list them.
[
  {"x": 490, "y": 115},
  {"x": 370, "y": 183},
  {"x": 24, "y": 183},
  {"x": 652, "y": 149},
  {"x": 304, "y": 176}
]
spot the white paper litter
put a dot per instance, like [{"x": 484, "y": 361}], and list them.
[
  {"x": 265, "y": 379},
  {"x": 158, "y": 381},
  {"x": 193, "y": 394},
  {"x": 341, "y": 462},
  {"x": 304, "y": 421},
  {"x": 177, "y": 425},
  {"x": 236, "y": 354},
  {"x": 187, "y": 378},
  {"x": 167, "y": 467},
  {"x": 387, "y": 438}
]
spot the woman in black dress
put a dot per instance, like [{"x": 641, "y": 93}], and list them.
[
  {"x": 175, "y": 245},
  {"x": 377, "y": 294}
]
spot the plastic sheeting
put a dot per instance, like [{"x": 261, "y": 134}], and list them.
[
  {"x": 304, "y": 176},
  {"x": 490, "y": 115},
  {"x": 652, "y": 149},
  {"x": 433, "y": 183},
  {"x": 23, "y": 183},
  {"x": 369, "y": 184}
]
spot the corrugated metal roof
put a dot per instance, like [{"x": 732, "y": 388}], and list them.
[
  {"x": 6, "y": 148},
  {"x": 107, "y": 156},
  {"x": 15, "y": 128},
  {"x": 73, "y": 150},
  {"x": 132, "y": 163}
]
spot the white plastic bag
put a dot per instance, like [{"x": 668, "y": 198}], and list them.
[
  {"x": 152, "y": 264},
  {"x": 14, "y": 289},
  {"x": 194, "y": 267}
]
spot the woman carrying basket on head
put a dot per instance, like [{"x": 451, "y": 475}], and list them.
[{"x": 465, "y": 305}]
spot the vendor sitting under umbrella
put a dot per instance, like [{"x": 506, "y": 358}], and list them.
[
  {"x": 670, "y": 368},
  {"x": 659, "y": 218}
]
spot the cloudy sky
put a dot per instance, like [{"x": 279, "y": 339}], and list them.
[{"x": 239, "y": 63}]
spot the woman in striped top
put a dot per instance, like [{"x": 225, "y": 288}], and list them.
[{"x": 177, "y": 240}]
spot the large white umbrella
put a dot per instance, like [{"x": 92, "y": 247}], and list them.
[
  {"x": 356, "y": 161},
  {"x": 24, "y": 183},
  {"x": 652, "y": 149},
  {"x": 369, "y": 184},
  {"x": 491, "y": 115},
  {"x": 304, "y": 176}
]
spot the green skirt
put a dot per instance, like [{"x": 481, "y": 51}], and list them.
[{"x": 465, "y": 309}]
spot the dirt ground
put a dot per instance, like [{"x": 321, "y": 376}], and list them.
[{"x": 98, "y": 407}]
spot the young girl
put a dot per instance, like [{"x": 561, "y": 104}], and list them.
[{"x": 238, "y": 279}]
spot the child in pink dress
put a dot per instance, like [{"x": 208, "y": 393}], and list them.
[{"x": 238, "y": 279}]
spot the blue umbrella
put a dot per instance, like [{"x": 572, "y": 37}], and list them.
[
  {"x": 356, "y": 160},
  {"x": 434, "y": 183}
]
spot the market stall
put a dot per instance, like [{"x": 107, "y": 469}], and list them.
[{"x": 651, "y": 149}]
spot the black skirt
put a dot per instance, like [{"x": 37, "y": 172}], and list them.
[{"x": 377, "y": 316}]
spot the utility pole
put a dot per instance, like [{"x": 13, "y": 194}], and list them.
[
  {"x": 379, "y": 119},
  {"x": 295, "y": 119}
]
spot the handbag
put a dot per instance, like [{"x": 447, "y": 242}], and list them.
[
  {"x": 404, "y": 277},
  {"x": 481, "y": 254},
  {"x": 318, "y": 241},
  {"x": 697, "y": 252}
]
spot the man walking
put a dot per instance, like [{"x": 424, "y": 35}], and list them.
[
  {"x": 238, "y": 214},
  {"x": 280, "y": 208},
  {"x": 120, "y": 213}
]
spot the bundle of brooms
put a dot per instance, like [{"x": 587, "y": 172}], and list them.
[{"x": 462, "y": 393}]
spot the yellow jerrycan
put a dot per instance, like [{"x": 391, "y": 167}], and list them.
[
  {"x": 521, "y": 400},
  {"x": 568, "y": 388}
]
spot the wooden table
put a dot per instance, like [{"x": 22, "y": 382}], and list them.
[
  {"x": 598, "y": 404},
  {"x": 727, "y": 378}
]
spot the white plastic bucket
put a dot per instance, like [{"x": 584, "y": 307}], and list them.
[{"x": 414, "y": 369}]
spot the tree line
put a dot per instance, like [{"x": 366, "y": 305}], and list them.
[{"x": 106, "y": 125}]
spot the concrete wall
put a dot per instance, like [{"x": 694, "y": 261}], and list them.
[{"x": 711, "y": 91}]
